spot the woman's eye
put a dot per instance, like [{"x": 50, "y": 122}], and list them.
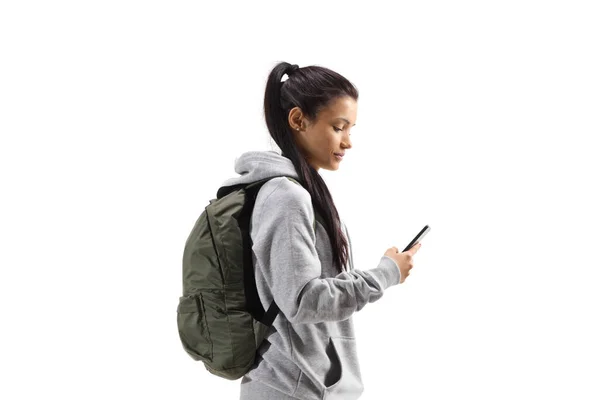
[{"x": 336, "y": 129}]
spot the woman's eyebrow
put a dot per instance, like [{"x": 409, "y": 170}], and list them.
[{"x": 344, "y": 119}]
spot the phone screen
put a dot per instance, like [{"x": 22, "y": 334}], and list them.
[{"x": 418, "y": 238}]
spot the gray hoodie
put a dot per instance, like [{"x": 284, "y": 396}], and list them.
[{"x": 310, "y": 351}]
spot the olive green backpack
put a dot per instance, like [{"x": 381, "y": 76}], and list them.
[{"x": 220, "y": 318}]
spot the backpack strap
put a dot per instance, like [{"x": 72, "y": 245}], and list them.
[{"x": 252, "y": 300}]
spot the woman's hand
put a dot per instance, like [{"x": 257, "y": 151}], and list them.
[{"x": 404, "y": 260}]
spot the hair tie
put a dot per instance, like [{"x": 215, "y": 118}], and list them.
[{"x": 292, "y": 68}]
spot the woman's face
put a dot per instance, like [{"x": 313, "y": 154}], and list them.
[{"x": 329, "y": 134}]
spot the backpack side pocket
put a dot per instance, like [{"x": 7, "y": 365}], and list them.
[{"x": 193, "y": 329}]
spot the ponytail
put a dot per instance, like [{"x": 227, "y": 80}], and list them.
[{"x": 311, "y": 89}]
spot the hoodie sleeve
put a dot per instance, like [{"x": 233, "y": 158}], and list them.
[
  {"x": 350, "y": 253},
  {"x": 284, "y": 246}
]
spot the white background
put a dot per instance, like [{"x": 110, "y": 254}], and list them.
[{"x": 120, "y": 120}]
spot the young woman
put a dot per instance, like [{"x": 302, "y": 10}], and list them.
[{"x": 310, "y": 350}]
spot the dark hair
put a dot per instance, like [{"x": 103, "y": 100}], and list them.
[{"x": 311, "y": 89}]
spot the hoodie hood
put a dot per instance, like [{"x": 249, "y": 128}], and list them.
[{"x": 253, "y": 166}]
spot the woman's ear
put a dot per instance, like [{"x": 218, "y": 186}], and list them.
[{"x": 296, "y": 119}]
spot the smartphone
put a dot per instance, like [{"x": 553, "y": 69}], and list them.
[{"x": 418, "y": 238}]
